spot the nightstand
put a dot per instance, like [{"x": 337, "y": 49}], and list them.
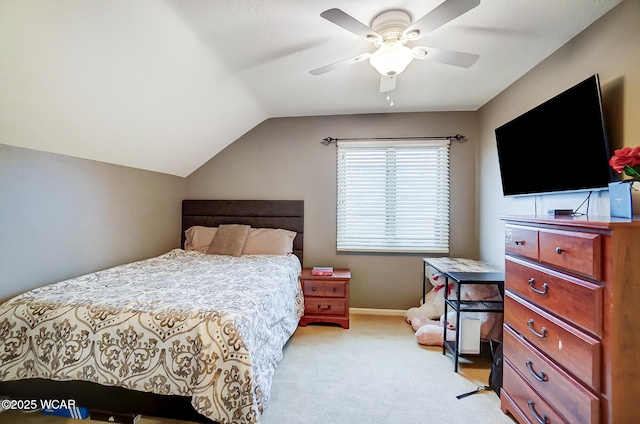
[{"x": 326, "y": 297}]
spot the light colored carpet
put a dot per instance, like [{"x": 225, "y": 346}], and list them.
[{"x": 373, "y": 372}]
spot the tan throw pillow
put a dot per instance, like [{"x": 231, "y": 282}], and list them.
[
  {"x": 269, "y": 241},
  {"x": 229, "y": 240}
]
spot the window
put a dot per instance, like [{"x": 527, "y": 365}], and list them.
[{"x": 393, "y": 196}]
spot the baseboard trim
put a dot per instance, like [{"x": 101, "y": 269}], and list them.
[{"x": 371, "y": 311}]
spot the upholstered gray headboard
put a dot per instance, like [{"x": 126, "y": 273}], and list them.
[{"x": 287, "y": 214}]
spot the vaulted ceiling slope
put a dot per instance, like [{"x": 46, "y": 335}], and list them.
[{"x": 164, "y": 85}]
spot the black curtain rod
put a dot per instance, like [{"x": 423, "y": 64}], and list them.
[{"x": 458, "y": 137}]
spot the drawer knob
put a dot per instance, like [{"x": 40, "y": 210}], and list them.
[
  {"x": 335, "y": 289},
  {"x": 559, "y": 250},
  {"x": 519, "y": 242},
  {"x": 543, "y": 330},
  {"x": 313, "y": 289},
  {"x": 541, "y": 377},
  {"x": 541, "y": 419},
  {"x": 545, "y": 286},
  {"x": 320, "y": 308}
]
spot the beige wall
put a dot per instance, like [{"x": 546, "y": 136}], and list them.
[
  {"x": 609, "y": 47},
  {"x": 61, "y": 217},
  {"x": 283, "y": 158}
]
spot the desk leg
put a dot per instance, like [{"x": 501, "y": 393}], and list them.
[
  {"x": 444, "y": 333},
  {"x": 455, "y": 343}
]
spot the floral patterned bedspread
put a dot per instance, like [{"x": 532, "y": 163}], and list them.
[{"x": 184, "y": 323}]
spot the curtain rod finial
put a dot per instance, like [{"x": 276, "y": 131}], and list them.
[{"x": 328, "y": 140}]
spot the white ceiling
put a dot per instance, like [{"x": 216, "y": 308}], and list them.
[{"x": 164, "y": 85}]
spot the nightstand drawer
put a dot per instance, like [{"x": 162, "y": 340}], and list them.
[
  {"x": 574, "y": 299},
  {"x": 572, "y": 250},
  {"x": 576, "y": 351},
  {"x": 325, "y": 288},
  {"x": 577, "y": 405},
  {"x": 324, "y": 306}
]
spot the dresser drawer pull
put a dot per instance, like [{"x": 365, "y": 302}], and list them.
[
  {"x": 335, "y": 289},
  {"x": 324, "y": 309},
  {"x": 559, "y": 250},
  {"x": 541, "y": 377},
  {"x": 519, "y": 242},
  {"x": 313, "y": 289},
  {"x": 542, "y": 335},
  {"x": 545, "y": 286},
  {"x": 541, "y": 419}
]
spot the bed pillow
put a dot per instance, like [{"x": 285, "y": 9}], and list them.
[
  {"x": 269, "y": 241},
  {"x": 199, "y": 238},
  {"x": 229, "y": 240}
]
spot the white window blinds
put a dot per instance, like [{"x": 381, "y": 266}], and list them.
[{"x": 393, "y": 196}]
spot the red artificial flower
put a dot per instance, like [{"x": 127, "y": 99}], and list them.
[{"x": 627, "y": 156}]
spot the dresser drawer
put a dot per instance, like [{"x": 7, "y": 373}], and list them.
[
  {"x": 324, "y": 306},
  {"x": 521, "y": 241},
  {"x": 531, "y": 405},
  {"x": 573, "y": 250},
  {"x": 571, "y": 298},
  {"x": 574, "y": 350},
  {"x": 328, "y": 288},
  {"x": 575, "y": 402}
]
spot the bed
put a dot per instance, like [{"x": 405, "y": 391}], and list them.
[{"x": 184, "y": 335}]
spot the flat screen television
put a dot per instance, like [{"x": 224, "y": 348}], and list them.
[{"x": 558, "y": 146}]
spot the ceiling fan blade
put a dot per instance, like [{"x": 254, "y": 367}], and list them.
[
  {"x": 449, "y": 57},
  {"x": 340, "y": 64},
  {"x": 351, "y": 24},
  {"x": 445, "y": 12},
  {"x": 387, "y": 83}
]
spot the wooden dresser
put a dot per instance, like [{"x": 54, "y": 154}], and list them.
[
  {"x": 572, "y": 320},
  {"x": 326, "y": 298}
]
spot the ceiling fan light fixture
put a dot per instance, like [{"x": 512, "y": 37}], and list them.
[{"x": 391, "y": 58}]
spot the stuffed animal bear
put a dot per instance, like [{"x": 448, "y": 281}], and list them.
[
  {"x": 433, "y": 303},
  {"x": 430, "y": 332}
]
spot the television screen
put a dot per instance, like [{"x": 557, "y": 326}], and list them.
[{"x": 560, "y": 145}]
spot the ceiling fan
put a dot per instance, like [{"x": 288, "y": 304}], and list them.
[{"x": 391, "y": 31}]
